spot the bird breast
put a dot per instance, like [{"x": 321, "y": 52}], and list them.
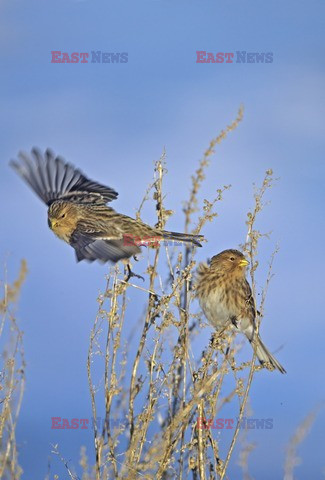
[{"x": 214, "y": 307}]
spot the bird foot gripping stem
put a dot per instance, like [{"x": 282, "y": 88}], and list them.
[{"x": 131, "y": 274}]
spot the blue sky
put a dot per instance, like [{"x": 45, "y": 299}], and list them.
[{"x": 113, "y": 121}]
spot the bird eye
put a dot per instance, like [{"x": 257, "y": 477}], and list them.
[
  {"x": 63, "y": 215},
  {"x": 232, "y": 258}
]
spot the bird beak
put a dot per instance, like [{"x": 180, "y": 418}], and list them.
[
  {"x": 51, "y": 223},
  {"x": 243, "y": 263}
]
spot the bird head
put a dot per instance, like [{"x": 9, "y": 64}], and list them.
[
  {"x": 229, "y": 261},
  {"x": 62, "y": 219}
]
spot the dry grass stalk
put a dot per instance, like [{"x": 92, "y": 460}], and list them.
[
  {"x": 292, "y": 459},
  {"x": 12, "y": 377}
]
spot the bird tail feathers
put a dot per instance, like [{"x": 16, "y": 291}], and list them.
[
  {"x": 264, "y": 356},
  {"x": 183, "y": 237}
]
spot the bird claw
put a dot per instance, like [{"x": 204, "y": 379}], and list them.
[{"x": 132, "y": 274}]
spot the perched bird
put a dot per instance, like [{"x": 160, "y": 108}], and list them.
[
  {"x": 78, "y": 214},
  {"x": 226, "y": 298}
]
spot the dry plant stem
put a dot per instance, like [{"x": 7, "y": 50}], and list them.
[
  {"x": 174, "y": 430},
  {"x": 97, "y": 440},
  {"x": 13, "y": 417},
  {"x": 241, "y": 414},
  {"x": 251, "y": 248},
  {"x": 292, "y": 460},
  {"x": 214, "y": 399},
  {"x": 144, "y": 200},
  {"x": 206, "y": 216},
  {"x": 137, "y": 287},
  {"x": 12, "y": 292},
  {"x": 268, "y": 281},
  {"x": 6, "y": 417},
  {"x": 153, "y": 397},
  {"x": 246, "y": 450},
  {"x": 55, "y": 451},
  {"x": 184, "y": 336},
  {"x": 133, "y": 456},
  {"x": 201, "y": 446},
  {"x": 190, "y": 208},
  {"x": 94, "y": 412},
  {"x": 13, "y": 376},
  {"x": 170, "y": 442},
  {"x": 110, "y": 376},
  {"x": 197, "y": 179},
  {"x": 176, "y": 288},
  {"x": 215, "y": 405}
]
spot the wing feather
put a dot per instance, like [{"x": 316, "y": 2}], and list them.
[
  {"x": 88, "y": 248},
  {"x": 53, "y": 179}
]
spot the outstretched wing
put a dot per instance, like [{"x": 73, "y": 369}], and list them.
[
  {"x": 52, "y": 179},
  {"x": 88, "y": 248}
]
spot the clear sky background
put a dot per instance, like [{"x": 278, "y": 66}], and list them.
[{"x": 113, "y": 121}]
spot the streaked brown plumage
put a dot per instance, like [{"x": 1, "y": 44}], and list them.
[
  {"x": 78, "y": 213},
  {"x": 226, "y": 298}
]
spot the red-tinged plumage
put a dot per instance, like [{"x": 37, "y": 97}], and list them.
[{"x": 78, "y": 211}]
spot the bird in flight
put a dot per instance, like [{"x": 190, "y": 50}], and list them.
[
  {"x": 226, "y": 298},
  {"x": 78, "y": 211}
]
